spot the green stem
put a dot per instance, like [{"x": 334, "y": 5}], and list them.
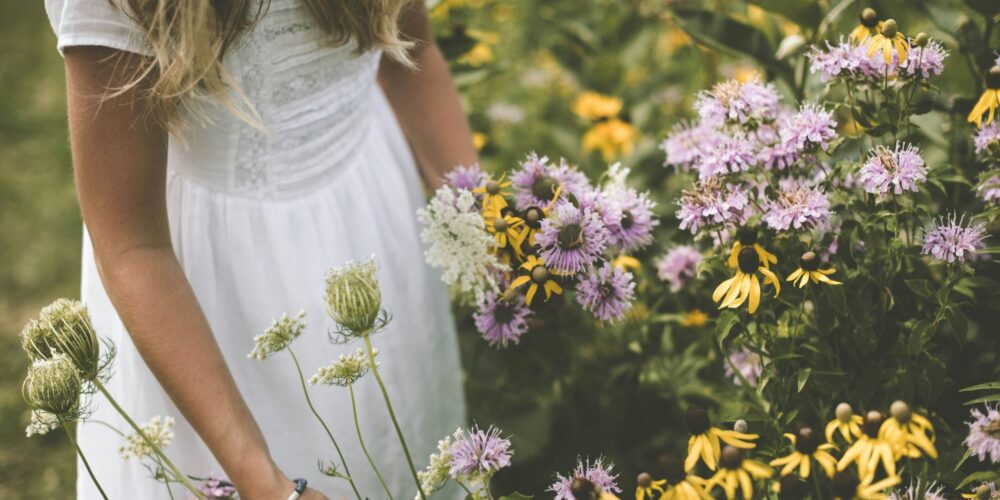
[
  {"x": 466, "y": 488},
  {"x": 392, "y": 414},
  {"x": 83, "y": 459},
  {"x": 305, "y": 390},
  {"x": 819, "y": 491},
  {"x": 156, "y": 449},
  {"x": 357, "y": 427}
]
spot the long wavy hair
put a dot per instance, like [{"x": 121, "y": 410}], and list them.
[{"x": 189, "y": 38}]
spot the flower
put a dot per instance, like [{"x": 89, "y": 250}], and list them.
[
  {"x": 538, "y": 183},
  {"x": 846, "y": 486},
  {"x": 468, "y": 178},
  {"x": 809, "y": 270},
  {"x": 920, "y": 491},
  {"x": 927, "y": 61},
  {"x": 647, "y": 487},
  {"x": 738, "y": 470},
  {"x": 217, "y": 488},
  {"x": 613, "y": 138},
  {"x": 987, "y": 137},
  {"x": 912, "y": 432},
  {"x": 694, "y": 318},
  {"x": 989, "y": 101},
  {"x": 606, "y": 291},
  {"x": 439, "y": 467},
  {"x": 747, "y": 238},
  {"x": 353, "y": 296},
  {"x": 952, "y": 240},
  {"x": 797, "y": 207},
  {"x": 985, "y": 491},
  {"x": 680, "y": 485},
  {"x": 494, "y": 198},
  {"x": 868, "y": 27},
  {"x": 64, "y": 326},
  {"x": 748, "y": 103},
  {"x": 678, "y": 265},
  {"x": 508, "y": 229},
  {"x": 458, "y": 243},
  {"x": 571, "y": 238},
  {"x": 158, "y": 433},
  {"x": 502, "y": 320},
  {"x": 807, "y": 449},
  {"x": 989, "y": 189},
  {"x": 745, "y": 285},
  {"x": 846, "y": 422},
  {"x": 843, "y": 60},
  {"x": 747, "y": 363},
  {"x": 893, "y": 171},
  {"x": 871, "y": 449},
  {"x": 687, "y": 143},
  {"x": 711, "y": 202},
  {"x": 278, "y": 336},
  {"x": 598, "y": 474},
  {"x": 538, "y": 275},
  {"x": 731, "y": 155},
  {"x": 984, "y": 434},
  {"x": 504, "y": 112},
  {"x": 595, "y": 106},
  {"x": 634, "y": 228},
  {"x": 704, "y": 442},
  {"x": 42, "y": 422},
  {"x": 626, "y": 262},
  {"x": 888, "y": 41},
  {"x": 479, "y": 453},
  {"x": 53, "y": 386},
  {"x": 811, "y": 127},
  {"x": 345, "y": 371}
]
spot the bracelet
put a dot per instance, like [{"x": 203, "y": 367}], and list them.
[{"x": 300, "y": 487}]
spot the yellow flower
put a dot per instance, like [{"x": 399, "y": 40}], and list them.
[
  {"x": 479, "y": 140},
  {"x": 869, "y": 26},
  {"x": 748, "y": 238},
  {"x": 480, "y": 54},
  {"x": 704, "y": 442},
  {"x": 807, "y": 449},
  {"x": 913, "y": 433},
  {"x": 595, "y": 106},
  {"x": 682, "y": 486},
  {"x": 846, "y": 422},
  {"x": 673, "y": 39},
  {"x": 870, "y": 450},
  {"x": 738, "y": 472},
  {"x": 627, "y": 262},
  {"x": 989, "y": 101},
  {"x": 846, "y": 486},
  {"x": 538, "y": 276},
  {"x": 745, "y": 74},
  {"x": 745, "y": 284},
  {"x": 612, "y": 137},
  {"x": 889, "y": 39},
  {"x": 694, "y": 318},
  {"x": 647, "y": 487},
  {"x": 494, "y": 196},
  {"x": 809, "y": 270},
  {"x": 508, "y": 230}
]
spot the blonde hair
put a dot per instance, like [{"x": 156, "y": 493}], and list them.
[{"x": 189, "y": 38}]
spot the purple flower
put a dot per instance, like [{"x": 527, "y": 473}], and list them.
[
  {"x": 987, "y": 136},
  {"x": 467, "y": 178},
  {"x": 678, "y": 265},
  {"x": 747, "y": 363},
  {"x": 501, "y": 321},
  {"x": 837, "y": 61},
  {"x": 919, "y": 491},
  {"x": 711, "y": 202},
  {"x": 479, "y": 452},
  {"x": 595, "y": 472},
  {"x": 571, "y": 238},
  {"x": 607, "y": 292},
  {"x": 746, "y": 103},
  {"x": 893, "y": 171},
  {"x": 730, "y": 155},
  {"x": 811, "y": 127},
  {"x": 797, "y": 207},
  {"x": 984, "y": 440},
  {"x": 537, "y": 180},
  {"x": 686, "y": 144},
  {"x": 927, "y": 61},
  {"x": 633, "y": 229},
  {"x": 989, "y": 189},
  {"x": 217, "y": 488},
  {"x": 952, "y": 240}
]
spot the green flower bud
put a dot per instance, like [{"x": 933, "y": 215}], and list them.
[
  {"x": 33, "y": 341},
  {"x": 353, "y": 296},
  {"x": 890, "y": 28},
  {"x": 70, "y": 331},
  {"x": 921, "y": 40},
  {"x": 53, "y": 385}
]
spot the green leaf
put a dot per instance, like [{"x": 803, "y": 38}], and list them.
[
  {"x": 921, "y": 333},
  {"x": 516, "y": 496},
  {"x": 981, "y": 387},
  {"x": 921, "y": 287},
  {"x": 985, "y": 399},
  {"x": 975, "y": 477},
  {"x": 727, "y": 320},
  {"x": 803, "y": 378}
]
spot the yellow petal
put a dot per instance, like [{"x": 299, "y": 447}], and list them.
[
  {"x": 795, "y": 274},
  {"x": 531, "y": 293},
  {"x": 754, "y": 294},
  {"x": 746, "y": 485},
  {"x": 722, "y": 288}
]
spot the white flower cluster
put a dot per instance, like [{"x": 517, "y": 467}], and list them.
[
  {"x": 438, "y": 470},
  {"x": 41, "y": 423},
  {"x": 277, "y": 338},
  {"x": 345, "y": 371},
  {"x": 159, "y": 431},
  {"x": 459, "y": 242}
]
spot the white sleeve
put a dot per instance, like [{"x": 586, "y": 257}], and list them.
[{"x": 95, "y": 22}]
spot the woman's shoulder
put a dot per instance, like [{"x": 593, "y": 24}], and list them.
[{"x": 105, "y": 23}]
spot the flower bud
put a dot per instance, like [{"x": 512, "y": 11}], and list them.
[
  {"x": 70, "y": 331},
  {"x": 33, "y": 341},
  {"x": 53, "y": 385},
  {"x": 921, "y": 40},
  {"x": 900, "y": 411},
  {"x": 869, "y": 17},
  {"x": 353, "y": 296},
  {"x": 740, "y": 426},
  {"x": 890, "y": 28},
  {"x": 844, "y": 412}
]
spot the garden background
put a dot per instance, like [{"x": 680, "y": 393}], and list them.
[{"x": 569, "y": 389}]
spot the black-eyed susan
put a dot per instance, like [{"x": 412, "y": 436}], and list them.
[
  {"x": 627, "y": 263},
  {"x": 508, "y": 230},
  {"x": 494, "y": 198},
  {"x": 613, "y": 137},
  {"x": 680, "y": 484},
  {"x": 745, "y": 285},
  {"x": 912, "y": 432},
  {"x": 748, "y": 238},
  {"x": 807, "y": 448},
  {"x": 694, "y": 318},
  {"x": 538, "y": 276},
  {"x": 597, "y": 106},
  {"x": 868, "y": 26},
  {"x": 809, "y": 271},
  {"x": 846, "y": 422},
  {"x": 738, "y": 474},
  {"x": 847, "y": 486},
  {"x": 647, "y": 487},
  {"x": 581, "y": 487},
  {"x": 989, "y": 101},
  {"x": 870, "y": 450},
  {"x": 706, "y": 441},
  {"x": 888, "y": 41}
]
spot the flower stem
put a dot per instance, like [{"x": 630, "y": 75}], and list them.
[
  {"x": 392, "y": 414},
  {"x": 156, "y": 449},
  {"x": 819, "y": 491},
  {"x": 357, "y": 427},
  {"x": 305, "y": 390},
  {"x": 83, "y": 459}
]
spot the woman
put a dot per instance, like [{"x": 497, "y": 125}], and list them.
[{"x": 265, "y": 135}]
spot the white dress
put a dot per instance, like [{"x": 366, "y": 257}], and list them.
[{"x": 256, "y": 220}]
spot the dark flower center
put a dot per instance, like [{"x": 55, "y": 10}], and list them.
[
  {"x": 539, "y": 274},
  {"x": 503, "y": 313},
  {"x": 869, "y": 18},
  {"x": 697, "y": 420},
  {"x": 583, "y": 489},
  {"x": 500, "y": 225},
  {"x": 533, "y": 217},
  {"x": 606, "y": 290},
  {"x": 873, "y": 420},
  {"x": 644, "y": 480},
  {"x": 749, "y": 260},
  {"x": 732, "y": 458},
  {"x": 993, "y": 78},
  {"x": 845, "y": 485},
  {"x": 544, "y": 187},
  {"x": 809, "y": 261},
  {"x": 806, "y": 442},
  {"x": 570, "y": 236},
  {"x": 748, "y": 236},
  {"x": 673, "y": 468},
  {"x": 628, "y": 220},
  {"x": 792, "y": 488},
  {"x": 889, "y": 28},
  {"x": 492, "y": 187},
  {"x": 992, "y": 428}
]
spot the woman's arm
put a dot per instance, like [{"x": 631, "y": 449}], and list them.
[
  {"x": 426, "y": 103},
  {"x": 119, "y": 158}
]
